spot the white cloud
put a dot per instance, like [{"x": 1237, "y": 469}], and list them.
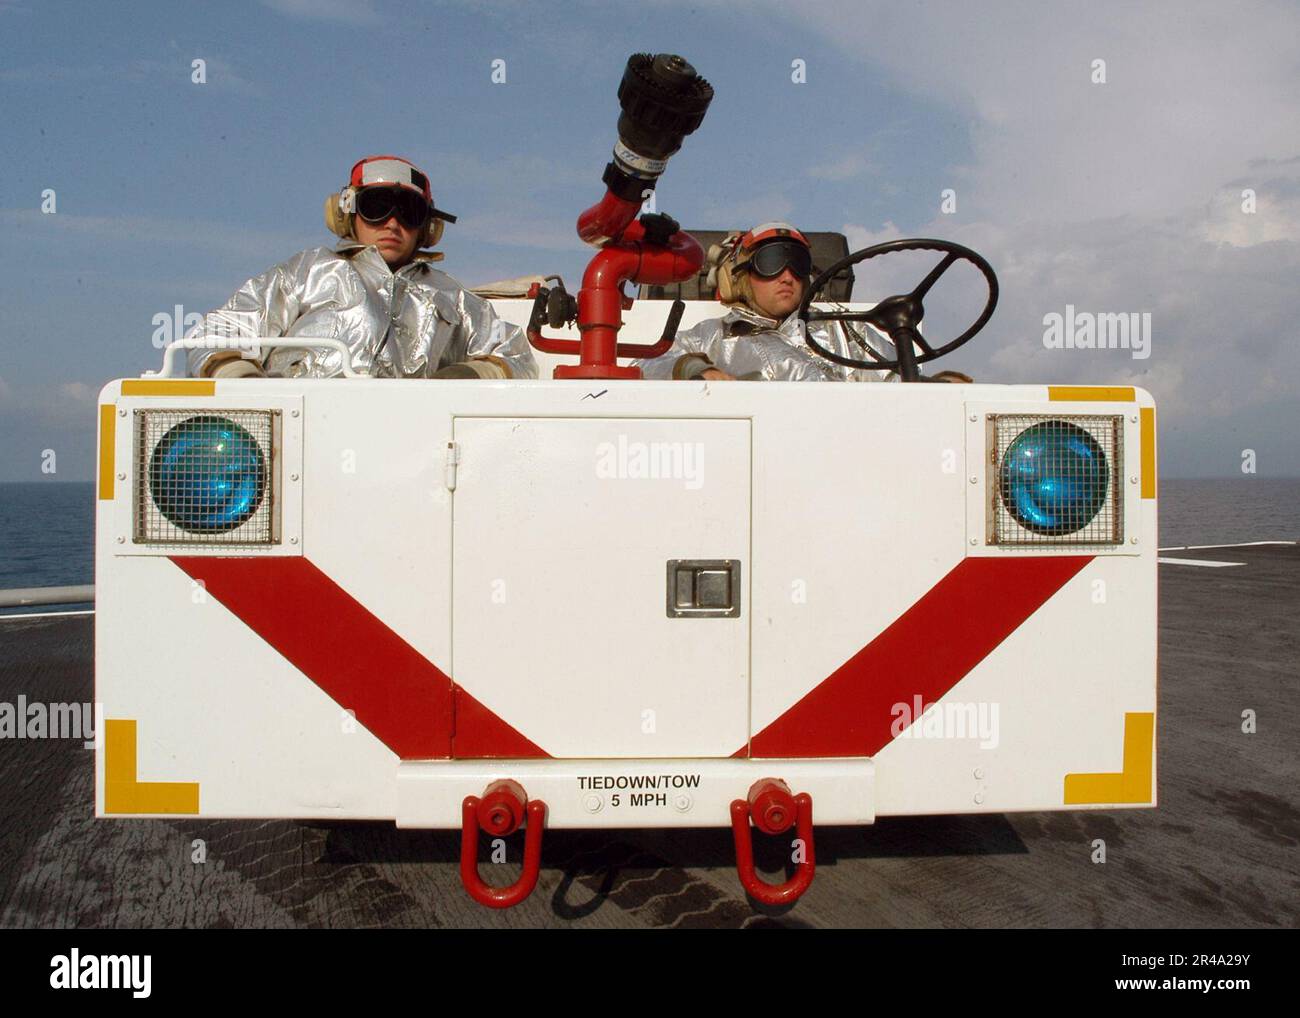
[
  {"x": 1116, "y": 197},
  {"x": 1192, "y": 95},
  {"x": 860, "y": 236},
  {"x": 1276, "y": 215},
  {"x": 77, "y": 391}
]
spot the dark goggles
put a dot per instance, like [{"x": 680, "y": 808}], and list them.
[
  {"x": 774, "y": 257},
  {"x": 379, "y": 204}
]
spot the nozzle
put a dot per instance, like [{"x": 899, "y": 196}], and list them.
[{"x": 663, "y": 100}]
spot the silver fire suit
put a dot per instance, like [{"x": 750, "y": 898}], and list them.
[
  {"x": 405, "y": 324},
  {"x": 750, "y": 346}
]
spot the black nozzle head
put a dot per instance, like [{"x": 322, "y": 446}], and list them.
[
  {"x": 663, "y": 100},
  {"x": 672, "y": 71}
]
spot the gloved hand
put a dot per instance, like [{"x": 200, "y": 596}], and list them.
[
  {"x": 472, "y": 369},
  {"x": 238, "y": 368},
  {"x": 456, "y": 371},
  {"x": 691, "y": 366}
]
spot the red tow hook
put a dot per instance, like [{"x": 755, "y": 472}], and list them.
[
  {"x": 500, "y": 812},
  {"x": 774, "y": 810}
]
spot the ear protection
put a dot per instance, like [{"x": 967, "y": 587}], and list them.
[
  {"x": 340, "y": 210},
  {"x": 722, "y": 258}
]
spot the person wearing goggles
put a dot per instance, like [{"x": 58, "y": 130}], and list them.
[
  {"x": 377, "y": 290},
  {"x": 762, "y": 275}
]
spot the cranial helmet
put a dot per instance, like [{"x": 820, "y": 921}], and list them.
[
  {"x": 384, "y": 171},
  {"x": 733, "y": 257}
]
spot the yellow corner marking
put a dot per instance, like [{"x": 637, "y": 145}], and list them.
[
  {"x": 169, "y": 387},
  {"x": 107, "y": 449},
  {"x": 124, "y": 794},
  {"x": 1092, "y": 393},
  {"x": 1148, "y": 452},
  {"x": 1133, "y": 784}
]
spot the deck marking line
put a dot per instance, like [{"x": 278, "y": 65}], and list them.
[
  {"x": 1195, "y": 562},
  {"x": 1244, "y": 544},
  {"x": 1239, "y": 544},
  {"x": 46, "y": 615}
]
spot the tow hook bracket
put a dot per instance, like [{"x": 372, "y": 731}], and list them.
[
  {"x": 503, "y": 807},
  {"x": 773, "y": 810}
]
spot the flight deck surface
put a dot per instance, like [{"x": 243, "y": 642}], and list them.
[{"x": 1219, "y": 851}]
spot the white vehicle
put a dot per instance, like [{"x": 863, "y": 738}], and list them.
[
  {"x": 599, "y": 602},
  {"x": 628, "y": 598}
]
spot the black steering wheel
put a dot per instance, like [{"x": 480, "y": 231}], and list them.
[{"x": 898, "y": 316}]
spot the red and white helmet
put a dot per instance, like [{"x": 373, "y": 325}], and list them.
[
  {"x": 737, "y": 260},
  {"x": 390, "y": 171},
  {"x": 764, "y": 232},
  {"x": 385, "y": 171}
]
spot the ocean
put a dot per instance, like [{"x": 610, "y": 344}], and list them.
[
  {"x": 48, "y": 528},
  {"x": 48, "y": 533}
]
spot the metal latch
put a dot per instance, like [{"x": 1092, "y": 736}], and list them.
[
  {"x": 703, "y": 588},
  {"x": 451, "y": 462}
]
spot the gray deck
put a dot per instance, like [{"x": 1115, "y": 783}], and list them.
[{"x": 1219, "y": 851}]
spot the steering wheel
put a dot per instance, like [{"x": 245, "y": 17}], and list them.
[{"x": 898, "y": 316}]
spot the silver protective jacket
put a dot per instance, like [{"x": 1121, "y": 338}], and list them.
[
  {"x": 750, "y": 346},
  {"x": 404, "y": 324}
]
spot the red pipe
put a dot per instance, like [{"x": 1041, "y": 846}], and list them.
[
  {"x": 601, "y": 302},
  {"x": 624, "y": 256},
  {"x": 607, "y": 219}
]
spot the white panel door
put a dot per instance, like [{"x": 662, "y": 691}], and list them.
[{"x": 563, "y": 530}]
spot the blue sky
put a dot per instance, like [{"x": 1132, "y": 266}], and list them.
[{"x": 1122, "y": 196}]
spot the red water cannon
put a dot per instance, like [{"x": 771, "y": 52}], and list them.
[{"x": 663, "y": 99}]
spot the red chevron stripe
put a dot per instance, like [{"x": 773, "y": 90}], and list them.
[
  {"x": 480, "y": 733},
  {"x": 318, "y": 627},
  {"x": 925, "y": 652}
]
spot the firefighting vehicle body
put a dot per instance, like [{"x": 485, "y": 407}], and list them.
[{"x": 601, "y": 602}]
